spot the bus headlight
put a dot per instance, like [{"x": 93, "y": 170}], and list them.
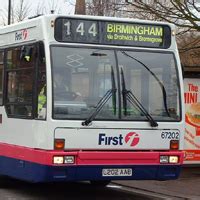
[
  {"x": 164, "y": 159},
  {"x": 63, "y": 160},
  {"x": 169, "y": 159},
  {"x": 69, "y": 159}
]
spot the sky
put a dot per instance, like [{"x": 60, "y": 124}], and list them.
[{"x": 63, "y": 6}]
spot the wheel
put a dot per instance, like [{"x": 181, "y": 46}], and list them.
[
  {"x": 6, "y": 182},
  {"x": 100, "y": 183}
]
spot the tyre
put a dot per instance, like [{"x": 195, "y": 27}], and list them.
[
  {"x": 100, "y": 183},
  {"x": 6, "y": 182}
]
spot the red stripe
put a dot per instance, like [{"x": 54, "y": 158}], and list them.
[
  {"x": 192, "y": 155},
  {"x": 45, "y": 157},
  {"x": 29, "y": 154}
]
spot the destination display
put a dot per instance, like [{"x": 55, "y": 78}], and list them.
[{"x": 112, "y": 33}]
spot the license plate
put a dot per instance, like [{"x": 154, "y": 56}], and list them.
[{"x": 117, "y": 172}]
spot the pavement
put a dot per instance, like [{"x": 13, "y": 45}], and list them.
[{"x": 186, "y": 187}]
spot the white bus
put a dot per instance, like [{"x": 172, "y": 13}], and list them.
[{"x": 90, "y": 99}]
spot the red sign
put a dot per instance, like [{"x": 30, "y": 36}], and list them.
[
  {"x": 132, "y": 138},
  {"x": 192, "y": 115}
]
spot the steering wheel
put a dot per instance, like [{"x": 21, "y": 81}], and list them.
[{"x": 64, "y": 95}]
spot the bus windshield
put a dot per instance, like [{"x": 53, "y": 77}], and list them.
[{"x": 82, "y": 76}]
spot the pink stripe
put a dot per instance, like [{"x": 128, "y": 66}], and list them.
[
  {"x": 29, "y": 154},
  {"x": 45, "y": 157}
]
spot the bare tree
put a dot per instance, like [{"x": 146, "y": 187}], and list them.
[
  {"x": 189, "y": 49},
  {"x": 182, "y": 13},
  {"x": 185, "y": 14},
  {"x": 80, "y": 7},
  {"x": 3, "y": 18},
  {"x": 21, "y": 11},
  {"x": 4, "y": 15},
  {"x": 51, "y": 8},
  {"x": 105, "y": 7}
]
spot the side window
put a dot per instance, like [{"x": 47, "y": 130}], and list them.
[
  {"x": 20, "y": 64},
  {"x": 1, "y": 76},
  {"x": 41, "y": 84}
]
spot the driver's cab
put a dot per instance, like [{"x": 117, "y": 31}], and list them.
[{"x": 84, "y": 78}]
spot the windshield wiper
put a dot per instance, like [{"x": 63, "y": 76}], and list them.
[
  {"x": 114, "y": 91},
  {"x": 103, "y": 101},
  {"x": 124, "y": 92},
  {"x": 128, "y": 95},
  {"x": 156, "y": 78}
]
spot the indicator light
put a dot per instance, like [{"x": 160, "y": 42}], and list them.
[
  {"x": 52, "y": 23},
  {"x": 173, "y": 159},
  {"x": 58, "y": 160},
  {"x": 174, "y": 144},
  {"x": 59, "y": 144}
]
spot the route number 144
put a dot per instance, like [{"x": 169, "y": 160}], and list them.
[{"x": 81, "y": 29}]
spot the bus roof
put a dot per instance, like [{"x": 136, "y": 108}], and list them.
[{"x": 103, "y": 18}]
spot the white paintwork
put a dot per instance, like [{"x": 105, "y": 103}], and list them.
[{"x": 89, "y": 139}]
